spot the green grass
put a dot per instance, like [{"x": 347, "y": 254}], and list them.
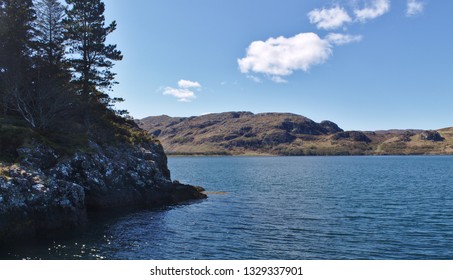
[
  {"x": 13, "y": 134},
  {"x": 69, "y": 136}
]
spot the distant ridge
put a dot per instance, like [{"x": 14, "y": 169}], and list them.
[{"x": 245, "y": 133}]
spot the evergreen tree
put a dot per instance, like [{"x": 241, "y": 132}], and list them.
[
  {"x": 3, "y": 32},
  {"x": 46, "y": 100},
  {"x": 50, "y": 34},
  {"x": 91, "y": 58},
  {"x": 16, "y": 33}
]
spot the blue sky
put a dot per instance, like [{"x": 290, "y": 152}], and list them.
[{"x": 364, "y": 64}]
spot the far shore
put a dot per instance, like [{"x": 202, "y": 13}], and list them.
[{"x": 273, "y": 155}]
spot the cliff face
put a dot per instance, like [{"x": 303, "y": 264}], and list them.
[{"x": 49, "y": 191}]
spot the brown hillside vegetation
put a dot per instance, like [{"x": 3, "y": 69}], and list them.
[{"x": 245, "y": 133}]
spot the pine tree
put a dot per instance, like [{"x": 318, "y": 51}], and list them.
[
  {"x": 16, "y": 33},
  {"x": 46, "y": 100},
  {"x": 91, "y": 58},
  {"x": 50, "y": 34},
  {"x": 3, "y": 34},
  {"x": 3, "y": 67}
]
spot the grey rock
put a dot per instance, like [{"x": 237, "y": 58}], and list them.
[
  {"x": 37, "y": 154},
  {"x": 357, "y": 136},
  {"x": 431, "y": 135},
  {"x": 331, "y": 127},
  {"x": 47, "y": 191}
]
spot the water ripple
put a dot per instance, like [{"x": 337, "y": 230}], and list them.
[{"x": 282, "y": 208}]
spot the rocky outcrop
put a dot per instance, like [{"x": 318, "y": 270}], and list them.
[
  {"x": 31, "y": 201},
  {"x": 357, "y": 136},
  {"x": 406, "y": 136},
  {"x": 330, "y": 127},
  {"x": 301, "y": 125},
  {"x": 49, "y": 191},
  {"x": 431, "y": 135}
]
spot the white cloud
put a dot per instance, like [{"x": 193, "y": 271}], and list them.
[
  {"x": 188, "y": 84},
  {"x": 278, "y": 57},
  {"x": 183, "y": 95},
  {"x": 254, "y": 78},
  {"x": 329, "y": 18},
  {"x": 342, "y": 39},
  {"x": 414, "y": 7},
  {"x": 282, "y": 56},
  {"x": 278, "y": 79},
  {"x": 184, "y": 92},
  {"x": 372, "y": 10}
]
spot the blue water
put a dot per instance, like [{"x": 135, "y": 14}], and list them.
[{"x": 283, "y": 208}]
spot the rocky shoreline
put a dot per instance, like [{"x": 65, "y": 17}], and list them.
[{"x": 46, "y": 191}]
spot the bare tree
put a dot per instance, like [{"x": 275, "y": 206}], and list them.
[{"x": 43, "y": 106}]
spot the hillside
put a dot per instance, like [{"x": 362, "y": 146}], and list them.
[{"x": 245, "y": 133}]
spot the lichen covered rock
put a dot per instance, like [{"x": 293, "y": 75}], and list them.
[
  {"x": 49, "y": 191},
  {"x": 31, "y": 201}
]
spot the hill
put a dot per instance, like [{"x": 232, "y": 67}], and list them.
[{"x": 245, "y": 133}]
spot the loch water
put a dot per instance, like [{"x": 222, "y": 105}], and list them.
[{"x": 364, "y": 207}]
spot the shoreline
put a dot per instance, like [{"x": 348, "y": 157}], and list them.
[
  {"x": 169, "y": 155},
  {"x": 47, "y": 191}
]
